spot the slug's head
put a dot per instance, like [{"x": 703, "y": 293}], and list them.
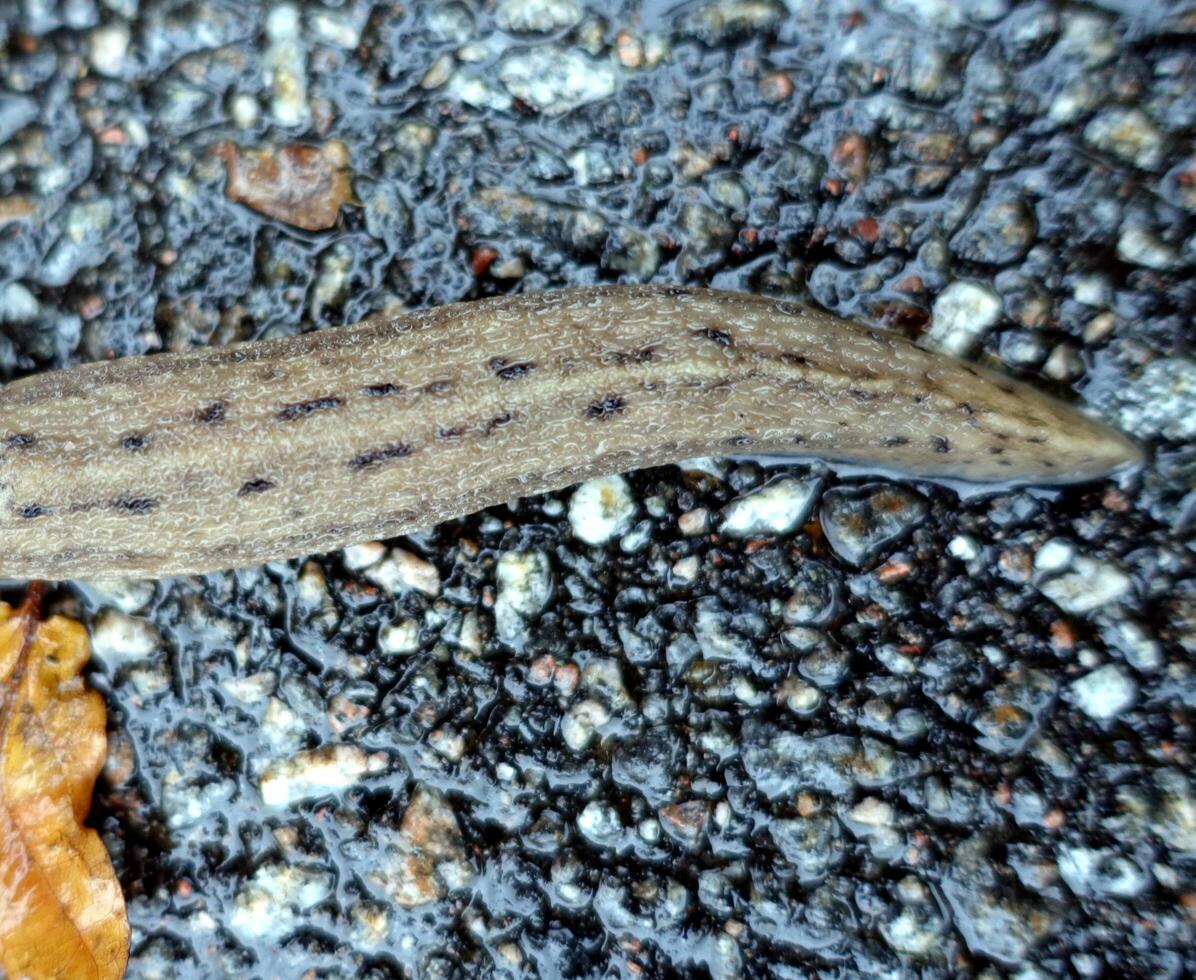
[{"x": 1018, "y": 434}]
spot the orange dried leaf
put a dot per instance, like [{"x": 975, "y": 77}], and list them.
[
  {"x": 304, "y": 186},
  {"x": 61, "y": 909}
]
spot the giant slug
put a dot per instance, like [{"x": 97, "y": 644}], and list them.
[{"x": 209, "y": 459}]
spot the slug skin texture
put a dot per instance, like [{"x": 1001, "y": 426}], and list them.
[{"x": 210, "y": 459}]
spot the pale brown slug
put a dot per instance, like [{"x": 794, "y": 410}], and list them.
[{"x": 183, "y": 463}]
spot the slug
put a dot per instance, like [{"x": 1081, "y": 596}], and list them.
[{"x": 190, "y": 462}]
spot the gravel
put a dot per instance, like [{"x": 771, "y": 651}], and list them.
[
  {"x": 964, "y": 312},
  {"x": 775, "y": 508},
  {"x": 730, "y": 718}
]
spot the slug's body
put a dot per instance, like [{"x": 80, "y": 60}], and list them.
[{"x": 183, "y": 463}]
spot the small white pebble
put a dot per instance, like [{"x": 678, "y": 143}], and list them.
[
  {"x": 402, "y": 571},
  {"x": 962, "y": 314},
  {"x": 696, "y": 521},
  {"x": 872, "y": 812},
  {"x": 1090, "y": 586},
  {"x": 316, "y": 772},
  {"x": 798, "y": 696},
  {"x": 581, "y": 721},
  {"x": 1105, "y": 693},
  {"x": 245, "y": 110},
  {"x": 118, "y": 638},
  {"x": 399, "y": 637},
  {"x": 601, "y": 509},
  {"x": 250, "y": 690},
  {"x": 1093, "y": 289},
  {"x": 17, "y": 304},
  {"x": 107, "y": 48},
  {"x": 1054, "y": 556},
  {"x": 361, "y": 556},
  {"x": 524, "y": 581},
  {"x": 775, "y": 508},
  {"x": 963, "y": 547},
  {"x": 686, "y": 569},
  {"x": 1140, "y": 247}
]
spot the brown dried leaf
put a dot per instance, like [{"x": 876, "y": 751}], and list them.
[
  {"x": 61, "y": 909},
  {"x": 304, "y": 186}
]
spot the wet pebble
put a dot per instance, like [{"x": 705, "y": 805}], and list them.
[
  {"x": 555, "y": 80},
  {"x": 601, "y": 509},
  {"x": 1129, "y": 134},
  {"x": 107, "y": 48},
  {"x": 536, "y": 15},
  {"x": 401, "y": 571},
  {"x": 524, "y": 586},
  {"x": 1105, "y": 694},
  {"x": 964, "y": 312},
  {"x": 285, "y": 66},
  {"x": 1000, "y": 231},
  {"x": 1161, "y": 401},
  {"x": 118, "y": 638},
  {"x": 860, "y": 522},
  {"x": 775, "y": 508},
  {"x": 277, "y": 899},
  {"x": 814, "y": 600},
  {"x": 1088, "y": 586},
  {"x": 1141, "y": 246},
  {"x": 327, "y": 770},
  {"x": 1101, "y": 873}
]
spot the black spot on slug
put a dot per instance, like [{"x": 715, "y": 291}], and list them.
[
  {"x": 799, "y": 440},
  {"x": 860, "y": 395},
  {"x": 941, "y": 444},
  {"x": 382, "y": 390},
  {"x": 212, "y": 414},
  {"x": 20, "y": 440},
  {"x": 678, "y": 291},
  {"x": 298, "y": 410},
  {"x": 135, "y": 443},
  {"x": 456, "y": 432},
  {"x": 965, "y": 408},
  {"x": 134, "y": 505},
  {"x": 372, "y": 457},
  {"x": 794, "y": 360},
  {"x": 1037, "y": 440},
  {"x": 254, "y": 486},
  {"x": 720, "y": 337},
  {"x": 510, "y": 372},
  {"x": 891, "y": 441},
  {"x": 498, "y": 422},
  {"x": 605, "y": 408},
  {"x": 738, "y": 441},
  {"x": 438, "y": 387},
  {"x": 30, "y": 511},
  {"x": 643, "y": 355}
]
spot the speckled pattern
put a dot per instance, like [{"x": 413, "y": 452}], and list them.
[
  {"x": 197, "y": 462},
  {"x": 711, "y": 719}
]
